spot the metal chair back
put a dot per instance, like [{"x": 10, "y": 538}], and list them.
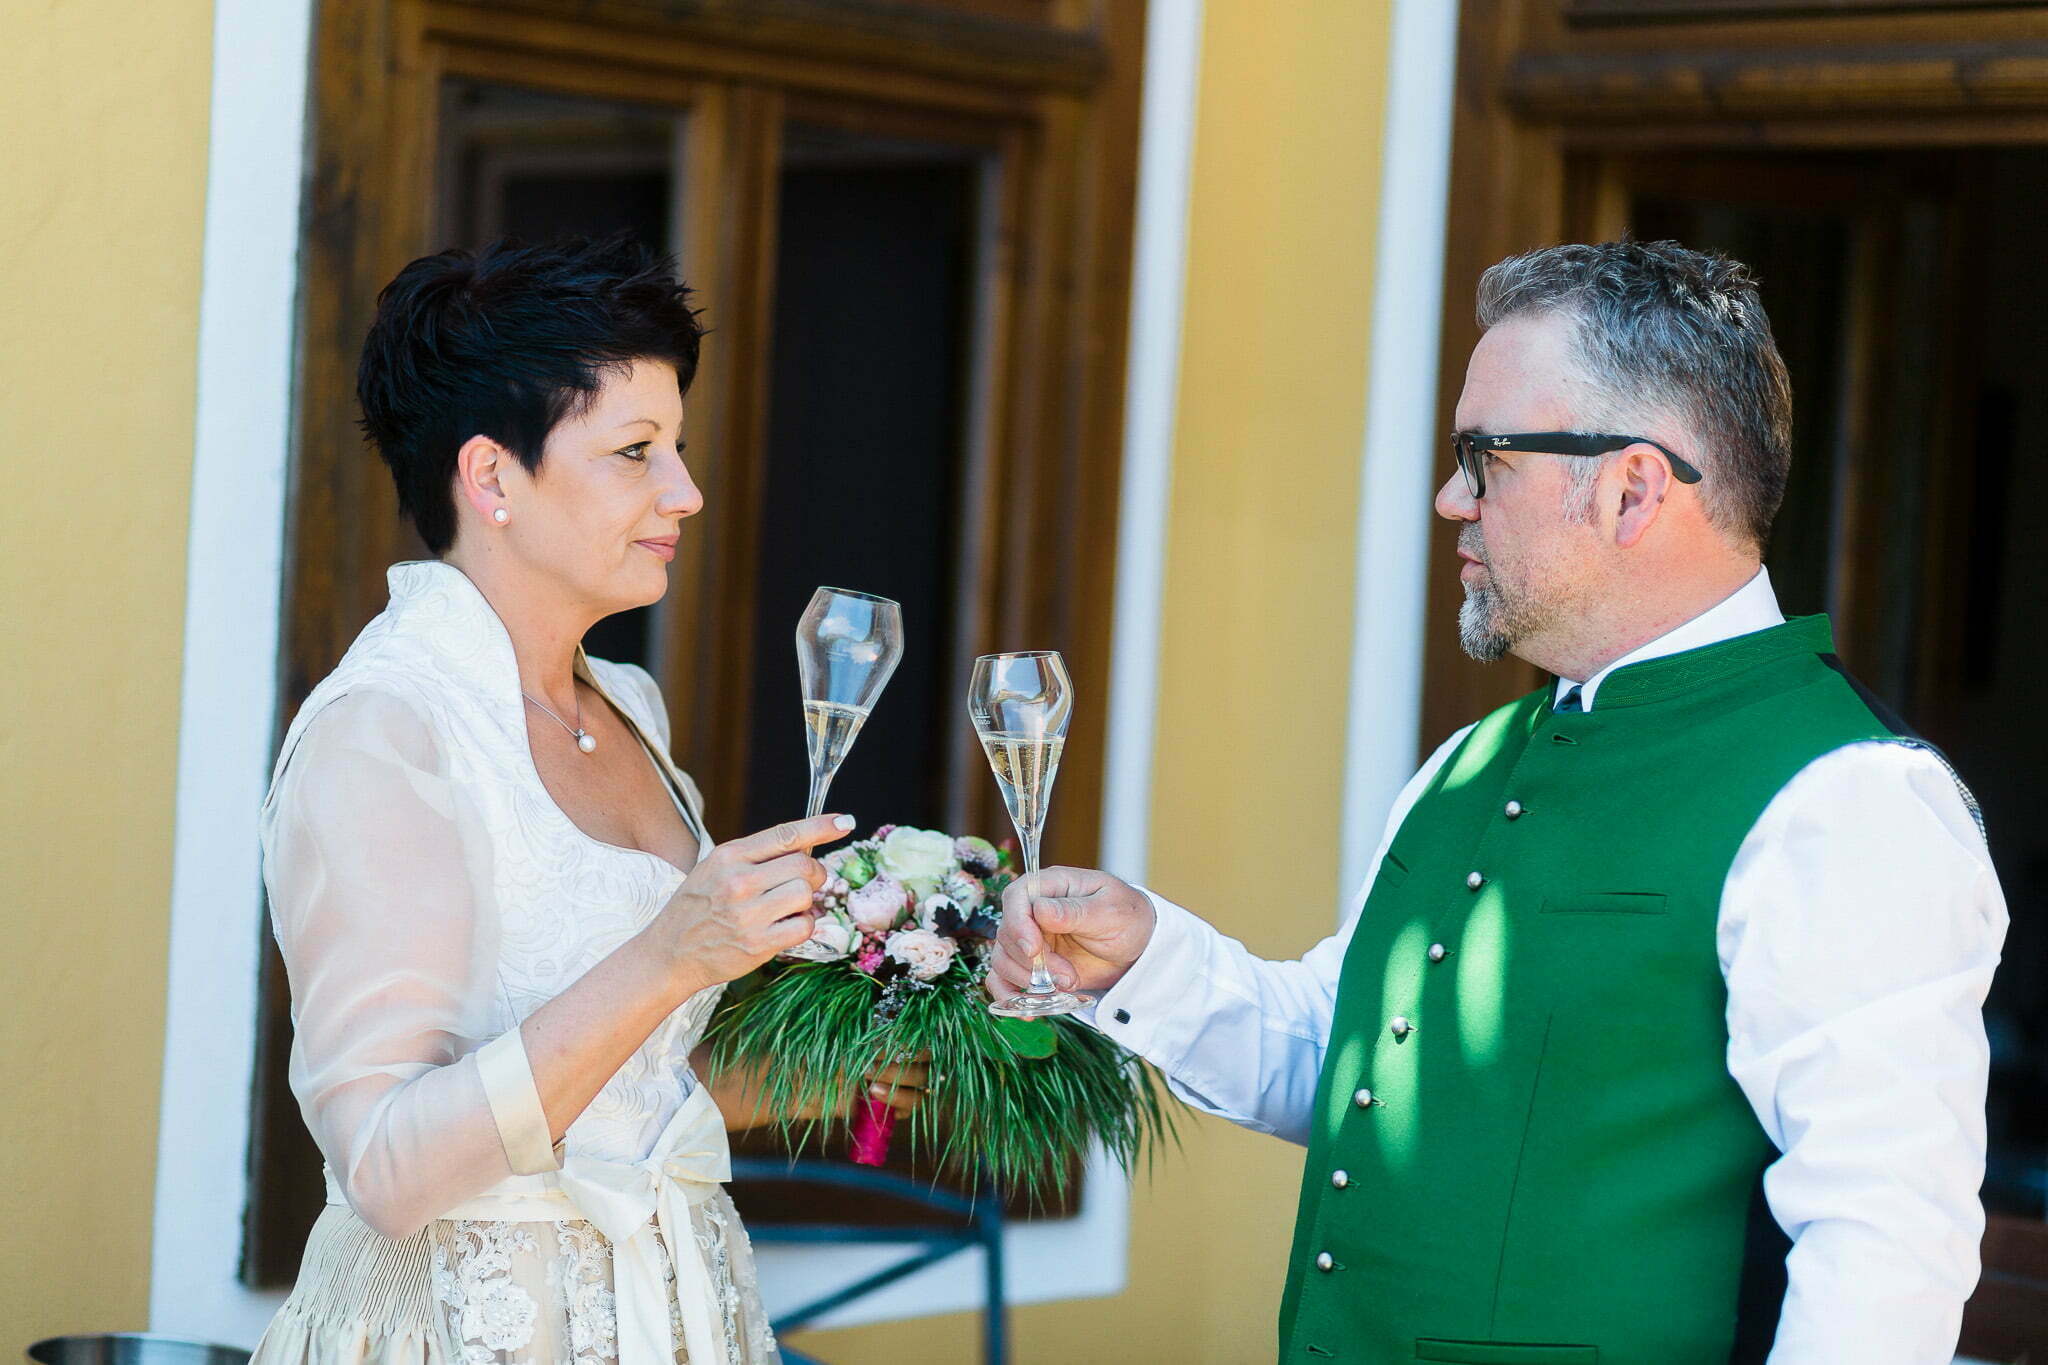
[{"x": 982, "y": 1227}]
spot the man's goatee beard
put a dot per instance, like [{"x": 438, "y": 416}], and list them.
[{"x": 1481, "y": 630}]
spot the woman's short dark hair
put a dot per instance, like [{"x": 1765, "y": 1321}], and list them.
[{"x": 505, "y": 342}]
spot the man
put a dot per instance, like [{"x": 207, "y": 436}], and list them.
[{"x": 1657, "y": 1035}]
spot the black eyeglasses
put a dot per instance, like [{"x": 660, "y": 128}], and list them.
[{"x": 1471, "y": 451}]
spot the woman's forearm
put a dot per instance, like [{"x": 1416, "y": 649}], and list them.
[{"x": 577, "y": 1041}]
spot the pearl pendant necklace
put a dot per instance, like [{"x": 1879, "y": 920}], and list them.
[{"x": 585, "y": 741}]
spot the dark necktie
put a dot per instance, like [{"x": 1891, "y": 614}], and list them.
[{"x": 1571, "y": 701}]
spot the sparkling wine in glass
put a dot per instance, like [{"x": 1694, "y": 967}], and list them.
[
  {"x": 847, "y": 645},
  {"x": 1021, "y": 704}
]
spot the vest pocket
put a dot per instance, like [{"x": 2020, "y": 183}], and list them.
[
  {"x": 1391, "y": 874},
  {"x": 1606, "y": 903},
  {"x": 1504, "y": 1353}
]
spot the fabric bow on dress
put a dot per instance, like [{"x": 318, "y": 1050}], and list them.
[{"x": 628, "y": 1202}]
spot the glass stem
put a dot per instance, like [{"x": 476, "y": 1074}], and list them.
[
  {"x": 1041, "y": 979},
  {"x": 821, "y": 782}
]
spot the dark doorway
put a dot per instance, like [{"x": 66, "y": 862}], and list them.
[
  {"x": 1909, "y": 298},
  {"x": 1911, "y": 302},
  {"x": 866, "y": 454},
  {"x": 1893, "y": 219}
]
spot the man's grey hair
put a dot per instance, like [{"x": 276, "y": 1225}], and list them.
[{"x": 1665, "y": 331}]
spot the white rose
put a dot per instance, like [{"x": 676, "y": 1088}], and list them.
[
  {"x": 926, "y": 954},
  {"x": 919, "y": 858},
  {"x": 834, "y": 935},
  {"x": 831, "y": 939}
]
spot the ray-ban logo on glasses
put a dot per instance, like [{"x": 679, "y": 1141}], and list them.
[{"x": 1499, "y": 441}]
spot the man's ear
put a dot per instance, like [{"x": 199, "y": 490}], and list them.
[
  {"x": 478, "y": 467},
  {"x": 1643, "y": 483}
]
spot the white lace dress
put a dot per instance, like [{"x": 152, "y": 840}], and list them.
[{"x": 428, "y": 895}]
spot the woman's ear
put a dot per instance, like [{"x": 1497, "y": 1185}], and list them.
[
  {"x": 479, "y": 466},
  {"x": 1644, "y": 482}
]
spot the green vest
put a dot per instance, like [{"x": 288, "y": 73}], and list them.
[{"x": 1526, "y": 1147}]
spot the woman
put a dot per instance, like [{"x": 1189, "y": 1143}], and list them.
[{"x": 504, "y": 923}]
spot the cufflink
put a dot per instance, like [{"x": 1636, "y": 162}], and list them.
[{"x": 1121, "y": 1016}]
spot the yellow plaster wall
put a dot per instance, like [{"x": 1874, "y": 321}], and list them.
[
  {"x": 102, "y": 191},
  {"x": 1257, "y": 637}
]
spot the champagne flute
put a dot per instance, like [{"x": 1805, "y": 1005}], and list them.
[
  {"x": 847, "y": 645},
  {"x": 1021, "y": 704}
]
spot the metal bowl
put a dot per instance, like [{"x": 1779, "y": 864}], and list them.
[{"x": 132, "y": 1348}]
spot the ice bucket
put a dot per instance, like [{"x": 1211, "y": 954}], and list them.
[{"x": 132, "y": 1348}]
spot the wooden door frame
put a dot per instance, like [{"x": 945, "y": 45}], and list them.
[
  {"x": 1057, "y": 101},
  {"x": 1543, "y": 82}
]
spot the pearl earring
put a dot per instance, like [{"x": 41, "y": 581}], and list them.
[{"x": 501, "y": 516}]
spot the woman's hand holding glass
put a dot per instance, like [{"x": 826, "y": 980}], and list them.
[{"x": 746, "y": 901}]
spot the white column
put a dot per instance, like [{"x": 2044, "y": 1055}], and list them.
[
  {"x": 1402, "y": 444},
  {"x": 1158, "y": 289},
  {"x": 234, "y": 573}
]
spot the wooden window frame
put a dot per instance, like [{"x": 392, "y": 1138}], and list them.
[{"x": 1055, "y": 103}]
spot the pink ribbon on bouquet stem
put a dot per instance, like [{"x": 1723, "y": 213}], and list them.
[{"x": 873, "y": 1122}]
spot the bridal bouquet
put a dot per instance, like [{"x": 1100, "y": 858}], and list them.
[{"x": 893, "y": 969}]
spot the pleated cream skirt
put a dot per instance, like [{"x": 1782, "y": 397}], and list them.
[
  {"x": 360, "y": 1298},
  {"x": 464, "y": 1292}
]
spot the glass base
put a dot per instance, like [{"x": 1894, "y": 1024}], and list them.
[{"x": 1040, "y": 1005}]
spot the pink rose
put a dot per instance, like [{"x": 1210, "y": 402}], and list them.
[
  {"x": 925, "y": 953},
  {"x": 880, "y": 905}
]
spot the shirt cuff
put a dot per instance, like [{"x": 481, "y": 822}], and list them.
[
  {"x": 1140, "y": 1011},
  {"x": 515, "y": 1104}
]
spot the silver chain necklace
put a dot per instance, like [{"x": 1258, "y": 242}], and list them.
[{"x": 585, "y": 741}]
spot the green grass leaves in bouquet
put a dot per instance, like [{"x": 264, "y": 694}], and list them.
[{"x": 901, "y": 931}]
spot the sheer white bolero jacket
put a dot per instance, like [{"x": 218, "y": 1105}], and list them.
[{"x": 428, "y": 895}]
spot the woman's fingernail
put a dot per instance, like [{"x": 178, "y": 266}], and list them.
[{"x": 843, "y": 822}]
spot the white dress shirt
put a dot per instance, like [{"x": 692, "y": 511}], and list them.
[{"x": 1859, "y": 927}]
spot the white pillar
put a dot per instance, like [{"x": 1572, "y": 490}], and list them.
[
  {"x": 1402, "y": 443},
  {"x": 228, "y": 702}
]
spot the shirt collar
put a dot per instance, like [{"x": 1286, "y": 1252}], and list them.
[{"x": 1750, "y": 608}]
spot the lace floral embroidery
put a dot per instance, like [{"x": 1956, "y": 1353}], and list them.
[
  {"x": 473, "y": 1276},
  {"x": 540, "y": 1293},
  {"x": 583, "y": 1277},
  {"x": 726, "y": 1251}
]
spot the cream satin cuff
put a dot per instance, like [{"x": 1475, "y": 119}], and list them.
[{"x": 515, "y": 1104}]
